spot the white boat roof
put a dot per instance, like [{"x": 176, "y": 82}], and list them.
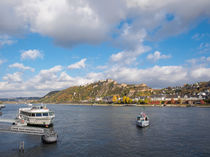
[{"x": 34, "y": 110}]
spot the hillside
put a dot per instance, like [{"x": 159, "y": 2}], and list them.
[
  {"x": 101, "y": 89},
  {"x": 188, "y": 89},
  {"x": 89, "y": 92}
]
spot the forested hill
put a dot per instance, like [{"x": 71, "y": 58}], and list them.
[
  {"x": 101, "y": 89},
  {"x": 88, "y": 93}
]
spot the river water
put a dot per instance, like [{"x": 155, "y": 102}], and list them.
[{"x": 111, "y": 131}]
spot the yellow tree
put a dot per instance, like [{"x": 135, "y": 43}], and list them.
[
  {"x": 124, "y": 99},
  {"x": 114, "y": 99},
  {"x": 127, "y": 100},
  {"x": 146, "y": 101}
]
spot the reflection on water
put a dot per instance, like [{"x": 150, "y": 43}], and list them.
[{"x": 111, "y": 131}]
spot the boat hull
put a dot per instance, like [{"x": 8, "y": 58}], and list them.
[
  {"x": 32, "y": 121},
  {"x": 47, "y": 139},
  {"x": 142, "y": 123},
  {"x": 40, "y": 121}
]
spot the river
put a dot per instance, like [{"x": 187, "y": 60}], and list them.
[{"x": 111, "y": 131}]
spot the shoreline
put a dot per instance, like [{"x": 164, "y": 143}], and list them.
[
  {"x": 130, "y": 105},
  {"x": 119, "y": 105}
]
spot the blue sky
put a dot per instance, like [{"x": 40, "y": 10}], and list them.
[{"x": 48, "y": 45}]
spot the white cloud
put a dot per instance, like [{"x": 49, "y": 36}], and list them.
[
  {"x": 31, "y": 54},
  {"x": 128, "y": 57},
  {"x": 2, "y": 61},
  {"x": 133, "y": 43},
  {"x": 202, "y": 73},
  {"x": 15, "y": 77},
  {"x": 156, "y": 77},
  {"x": 152, "y": 14},
  {"x": 68, "y": 22},
  {"x": 47, "y": 74},
  {"x": 101, "y": 67},
  {"x": 5, "y": 40},
  {"x": 157, "y": 56},
  {"x": 202, "y": 61},
  {"x": 199, "y": 36},
  {"x": 78, "y": 65},
  {"x": 204, "y": 48},
  {"x": 21, "y": 66},
  {"x": 47, "y": 80},
  {"x": 11, "y": 22},
  {"x": 90, "y": 21}
]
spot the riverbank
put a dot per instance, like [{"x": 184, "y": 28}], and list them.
[
  {"x": 137, "y": 105},
  {"x": 121, "y": 105}
]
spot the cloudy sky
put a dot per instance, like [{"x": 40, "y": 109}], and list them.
[{"x": 50, "y": 45}]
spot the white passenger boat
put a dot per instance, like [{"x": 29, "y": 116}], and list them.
[
  {"x": 142, "y": 120},
  {"x": 36, "y": 115}
]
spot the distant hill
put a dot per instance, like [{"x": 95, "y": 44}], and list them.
[
  {"x": 20, "y": 99},
  {"x": 99, "y": 89}
]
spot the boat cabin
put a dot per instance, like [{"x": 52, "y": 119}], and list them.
[{"x": 36, "y": 114}]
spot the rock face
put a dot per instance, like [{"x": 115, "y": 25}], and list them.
[{"x": 92, "y": 91}]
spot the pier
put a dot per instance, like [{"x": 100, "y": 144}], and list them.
[
  {"x": 22, "y": 129},
  {"x": 48, "y": 135}
]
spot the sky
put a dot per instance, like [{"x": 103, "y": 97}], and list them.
[{"x": 48, "y": 45}]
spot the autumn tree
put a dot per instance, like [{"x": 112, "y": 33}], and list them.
[
  {"x": 114, "y": 99},
  {"x": 124, "y": 99},
  {"x": 130, "y": 101},
  {"x": 127, "y": 100},
  {"x": 146, "y": 101},
  {"x": 202, "y": 102},
  {"x": 172, "y": 101}
]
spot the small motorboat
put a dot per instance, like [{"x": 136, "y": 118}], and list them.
[
  {"x": 142, "y": 120},
  {"x": 2, "y": 106},
  {"x": 50, "y": 137}
]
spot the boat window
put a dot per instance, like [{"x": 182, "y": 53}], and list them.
[
  {"x": 51, "y": 113},
  {"x": 38, "y": 114},
  {"x": 45, "y": 114},
  {"x": 25, "y": 113},
  {"x": 33, "y": 115},
  {"x": 22, "y": 112}
]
